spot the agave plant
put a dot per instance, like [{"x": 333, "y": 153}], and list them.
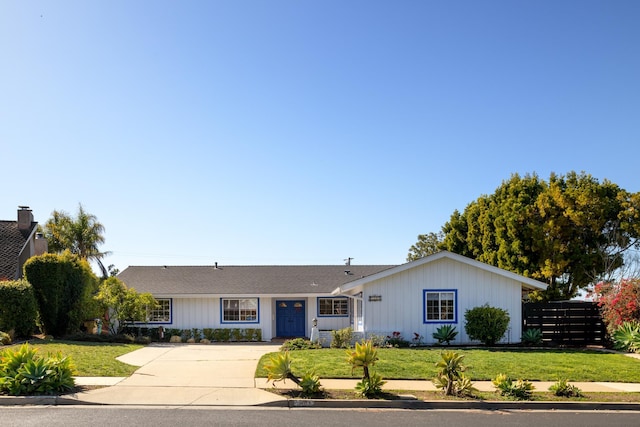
[
  {"x": 627, "y": 337},
  {"x": 445, "y": 334},
  {"x": 532, "y": 336}
]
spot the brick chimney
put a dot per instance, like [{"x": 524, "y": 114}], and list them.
[{"x": 25, "y": 218}]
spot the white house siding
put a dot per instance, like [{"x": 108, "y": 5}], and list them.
[
  {"x": 401, "y": 308},
  {"x": 201, "y": 312}
]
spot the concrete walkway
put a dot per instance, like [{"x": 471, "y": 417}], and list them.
[{"x": 175, "y": 374}]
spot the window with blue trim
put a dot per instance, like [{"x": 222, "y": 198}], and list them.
[
  {"x": 440, "y": 305},
  {"x": 338, "y": 307},
  {"x": 240, "y": 310}
]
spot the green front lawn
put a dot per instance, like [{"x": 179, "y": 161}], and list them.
[
  {"x": 90, "y": 359},
  {"x": 484, "y": 364}
]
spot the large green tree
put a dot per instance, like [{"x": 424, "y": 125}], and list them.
[
  {"x": 122, "y": 304},
  {"x": 569, "y": 231},
  {"x": 81, "y": 235},
  {"x": 63, "y": 285},
  {"x": 426, "y": 245}
]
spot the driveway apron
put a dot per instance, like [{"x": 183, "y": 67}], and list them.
[{"x": 179, "y": 374}]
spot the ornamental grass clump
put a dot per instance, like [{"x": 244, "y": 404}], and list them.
[{"x": 24, "y": 372}]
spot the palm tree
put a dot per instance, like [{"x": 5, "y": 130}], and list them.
[{"x": 81, "y": 235}]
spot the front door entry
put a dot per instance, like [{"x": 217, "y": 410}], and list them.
[{"x": 290, "y": 318}]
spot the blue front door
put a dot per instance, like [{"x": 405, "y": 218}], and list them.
[{"x": 290, "y": 317}]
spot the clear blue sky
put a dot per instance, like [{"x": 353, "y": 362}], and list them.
[{"x": 299, "y": 132}]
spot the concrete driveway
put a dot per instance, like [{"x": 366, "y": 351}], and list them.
[{"x": 183, "y": 374}]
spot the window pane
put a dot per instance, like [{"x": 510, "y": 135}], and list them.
[{"x": 240, "y": 310}]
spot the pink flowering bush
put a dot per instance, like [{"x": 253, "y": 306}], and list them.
[{"x": 619, "y": 302}]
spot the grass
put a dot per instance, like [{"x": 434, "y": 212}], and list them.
[
  {"x": 483, "y": 364},
  {"x": 90, "y": 359}
]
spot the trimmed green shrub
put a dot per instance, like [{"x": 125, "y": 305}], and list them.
[
  {"x": 24, "y": 372},
  {"x": 63, "y": 286},
  {"x": 341, "y": 338},
  {"x": 18, "y": 307},
  {"x": 299, "y": 344},
  {"x": 208, "y": 334},
  {"x": 486, "y": 324}
]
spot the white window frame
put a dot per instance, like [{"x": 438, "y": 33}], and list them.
[
  {"x": 339, "y": 306},
  {"x": 447, "y": 306},
  {"x": 246, "y": 313}
]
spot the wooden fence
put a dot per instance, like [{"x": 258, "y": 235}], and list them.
[{"x": 565, "y": 322}]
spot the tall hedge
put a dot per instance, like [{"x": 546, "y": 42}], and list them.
[
  {"x": 63, "y": 285},
  {"x": 18, "y": 308}
]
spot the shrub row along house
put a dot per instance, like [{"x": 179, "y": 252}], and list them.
[{"x": 282, "y": 301}]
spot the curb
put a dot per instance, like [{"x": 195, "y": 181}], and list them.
[
  {"x": 456, "y": 405},
  {"x": 367, "y": 404}
]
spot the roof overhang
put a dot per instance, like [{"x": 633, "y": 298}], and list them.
[{"x": 525, "y": 282}]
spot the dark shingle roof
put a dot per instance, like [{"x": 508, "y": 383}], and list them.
[
  {"x": 244, "y": 280},
  {"x": 12, "y": 241}
]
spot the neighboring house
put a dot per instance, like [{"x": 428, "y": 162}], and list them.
[
  {"x": 283, "y": 300},
  {"x": 19, "y": 242}
]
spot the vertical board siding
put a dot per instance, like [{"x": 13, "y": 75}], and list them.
[
  {"x": 203, "y": 313},
  {"x": 401, "y": 308}
]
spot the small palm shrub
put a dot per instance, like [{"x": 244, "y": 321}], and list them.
[
  {"x": 24, "y": 372},
  {"x": 450, "y": 376},
  {"x": 519, "y": 390},
  {"x": 562, "y": 388},
  {"x": 341, "y": 338},
  {"x": 299, "y": 344},
  {"x": 532, "y": 336},
  {"x": 445, "y": 334},
  {"x": 365, "y": 356},
  {"x": 279, "y": 368},
  {"x": 627, "y": 337},
  {"x": 486, "y": 324}
]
